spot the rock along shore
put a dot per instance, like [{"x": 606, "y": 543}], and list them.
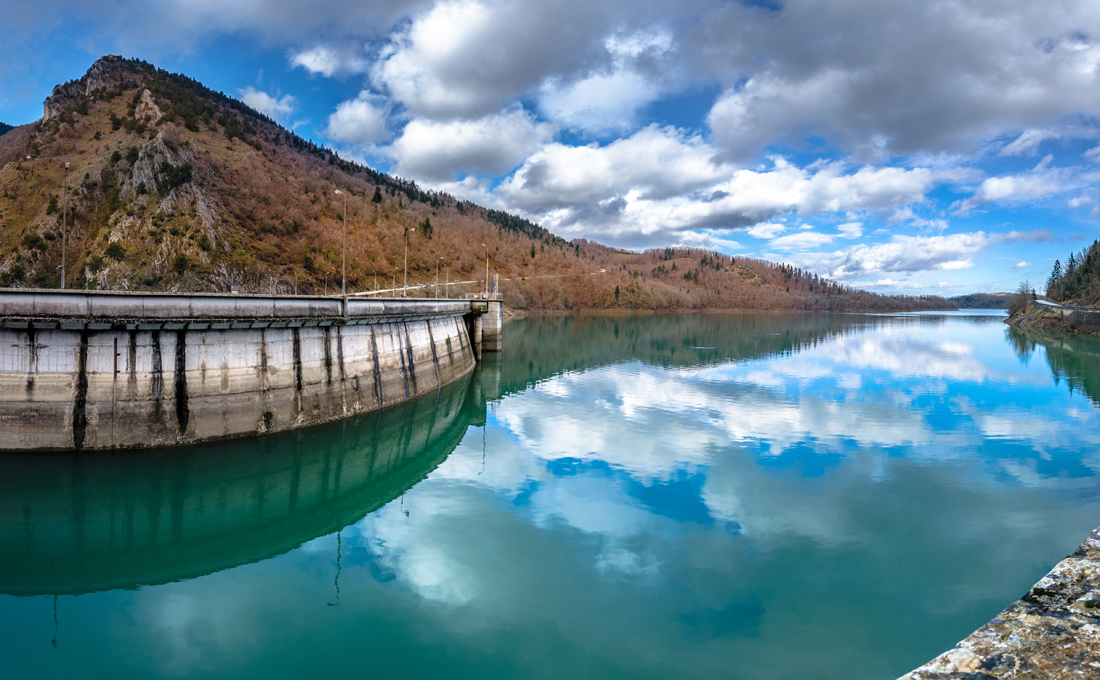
[{"x": 1051, "y": 633}]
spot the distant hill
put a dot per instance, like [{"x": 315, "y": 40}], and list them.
[
  {"x": 4, "y": 128},
  {"x": 173, "y": 186},
  {"x": 982, "y": 300}
]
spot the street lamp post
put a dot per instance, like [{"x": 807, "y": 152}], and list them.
[
  {"x": 393, "y": 280},
  {"x": 64, "y": 225},
  {"x": 447, "y": 285},
  {"x": 437, "y": 263},
  {"x": 344, "y": 254},
  {"x": 486, "y": 271},
  {"x": 405, "y": 289},
  {"x": 326, "y": 283}
]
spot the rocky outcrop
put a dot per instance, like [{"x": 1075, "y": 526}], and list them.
[
  {"x": 1065, "y": 319},
  {"x": 106, "y": 71},
  {"x": 1052, "y": 633}
]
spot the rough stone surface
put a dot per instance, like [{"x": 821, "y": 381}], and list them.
[{"x": 1052, "y": 633}]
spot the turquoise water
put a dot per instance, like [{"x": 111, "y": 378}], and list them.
[{"x": 710, "y": 496}]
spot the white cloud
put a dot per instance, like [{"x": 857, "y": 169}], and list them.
[
  {"x": 850, "y": 229},
  {"x": 1027, "y": 144},
  {"x": 360, "y": 121},
  {"x": 803, "y": 240},
  {"x": 273, "y": 107},
  {"x": 328, "y": 61},
  {"x": 607, "y": 101},
  {"x": 466, "y": 58},
  {"x": 492, "y": 145},
  {"x": 766, "y": 230},
  {"x": 1040, "y": 182},
  {"x": 1022, "y": 264},
  {"x": 913, "y": 253}
]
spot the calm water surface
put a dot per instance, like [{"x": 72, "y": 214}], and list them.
[{"x": 688, "y": 496}]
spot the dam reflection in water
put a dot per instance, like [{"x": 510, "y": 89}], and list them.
[{"x": 82, "y": 523}]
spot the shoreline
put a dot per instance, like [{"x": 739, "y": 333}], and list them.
[{"x": 1052, "y": 632}]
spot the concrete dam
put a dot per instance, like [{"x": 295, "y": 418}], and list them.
[{"x": 101, "y": 371}]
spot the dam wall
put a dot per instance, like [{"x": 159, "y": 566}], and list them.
[{"x": 100, "y": 371}]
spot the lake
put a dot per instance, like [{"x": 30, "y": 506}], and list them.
[{"x": 689, "y": 496}]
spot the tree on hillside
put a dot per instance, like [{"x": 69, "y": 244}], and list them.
[
  {"x": 377, "y": 195},
  {"x": 1023, "y": 297}
]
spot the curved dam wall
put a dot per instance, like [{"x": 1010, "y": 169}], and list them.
[{"x": 100, "y": 371}]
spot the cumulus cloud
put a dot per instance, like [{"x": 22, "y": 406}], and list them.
[
  {"x": 766, "y": 230},
  {"x": 1022, "y": 264},
  {"x": 492, "y": 145},
  {"x": 914, "y": 253},
  {"x": 329, "y": 61},
  {"x": 802, "y": 240},
  {"x": 608, "y": 101},
  {"x": 360, "y": 121},
  {"x": 860, "y": 75},
  {"x": 275, "y": 107},
  {"x": 1040, "y": 182},
  {"x": 467, "y": 58},
  {"x": 850, "y": 229}
]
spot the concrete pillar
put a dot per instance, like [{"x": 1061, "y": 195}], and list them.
[{"x": 493, "y": 327}]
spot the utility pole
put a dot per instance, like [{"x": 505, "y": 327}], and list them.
[
  {"x": 437, "y": 276},
  {"x": 64, "y": 223}
]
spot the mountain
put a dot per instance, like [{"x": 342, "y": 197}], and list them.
[
  {"x": 173, "y": 186},
  {"x": 4, "y": 128}
]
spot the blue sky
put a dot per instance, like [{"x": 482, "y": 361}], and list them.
[{"x": 911, "y": 146}]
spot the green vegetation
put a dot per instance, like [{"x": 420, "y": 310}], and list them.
[
  {"x": 1079, "y": 281},
  {"x": 115, "y": 251}
]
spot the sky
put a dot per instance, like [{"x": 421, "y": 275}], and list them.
[{"x": 912, "y": 146}]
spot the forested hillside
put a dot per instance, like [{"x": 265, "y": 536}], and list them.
[
  {"x": 172, "y": 186},
  {"x": 1079, "y": 280}
]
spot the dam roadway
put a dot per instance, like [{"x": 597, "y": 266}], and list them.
[{"x": 100, "y": 371}]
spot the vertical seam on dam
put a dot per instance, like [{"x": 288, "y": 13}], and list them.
[
  {"x": 32, "y": 361},
  {"x": 409, "y": 351},
  {"x": 131, "y": 361},
  {"x": 340, "y": 352},
  {"x": 401, "y": 355},
  {"x": 263, "y": 361},
  {"x": 377, "y": 368},
  {"x": 80, "y": 404},
  {"x": 183, "y": 414},
  {"x": 328, "y": 355},
  {"x": 297, "y": 360},
  {"x": 158, "y": 380},
  {"x": 435, "y": 357}
]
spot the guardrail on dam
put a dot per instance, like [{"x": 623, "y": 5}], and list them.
[{"x": 84, "y": 371}]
